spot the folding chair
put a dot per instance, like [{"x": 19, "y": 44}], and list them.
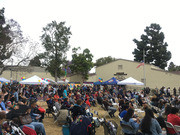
[
  {"x": 127, "y": 127},
  {"x": 120, "y": 118},
  {"x": 177, "y": 128},
  {"x": 169, "y": 125}
]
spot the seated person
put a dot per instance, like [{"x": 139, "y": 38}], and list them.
[
  {"x": 2, "y": 105},
  {"x": 123, "y": 113},
  {"x": 36, "y": 115},
  {"x": 2, "y": 119},
  {"x": 66, "y": 104},
  {"x": 99, "y": 99},
  {"x": 129, "y": 120},
  {"x": 20, "y": 110},
  {"x": 50, "y": 102},
  {"x": 149, "y": 125},
  {"x": 108, "y": 106},
  {"x": 77, "y": 109},
  {"x": 162, "y": 123},
  {"x": 56, "y": 97},
  {"x": 58, "y": 104},
  {"x": 174, "y": 119}
]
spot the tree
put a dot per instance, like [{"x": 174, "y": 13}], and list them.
[
  {"x": 35, "y": 62},
  {"x": 104, "y": 60},
  {"x": 55, "y": 40},
  {"x": 81, "y": 63},
  {"x": 152, "y": 42},
  {"x": 5, "y": 39},
  {"x": 14, "y": 47},
  {"x": 173, "y": 67}
]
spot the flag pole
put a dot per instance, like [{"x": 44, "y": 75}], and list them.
[{"x": 144, "y": 68}]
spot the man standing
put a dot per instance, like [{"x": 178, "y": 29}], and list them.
[
  {"x": 174, "y": 91},
  {"x": 65, "y": 92}
]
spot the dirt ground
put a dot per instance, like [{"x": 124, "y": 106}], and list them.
[{"x": 53, "y": 128}]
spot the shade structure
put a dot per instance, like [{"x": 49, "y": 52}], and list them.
[
  {"x": 35, "y": 80},
  {"x": 130, "y": 81},
  {"x": 50, "y": 80},
  {"x": 98, "y": 83},
  {"x": 63, "y": 81},
  {"x": 112, "y": 81},
  {"x": 2, "y": 79}
]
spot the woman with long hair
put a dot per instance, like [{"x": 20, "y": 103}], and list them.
[
  {"x": 149, "y": 125},
  {"x": 130, "y": 121}
]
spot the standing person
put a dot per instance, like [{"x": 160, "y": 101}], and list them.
[
  {"x": 174, "y": 90},
  {"x": 15, "y": 95},
  {"x": 149, "y": 125},
  {"x": 65, "y": 92},
  {"x": 168, "y": 92}
]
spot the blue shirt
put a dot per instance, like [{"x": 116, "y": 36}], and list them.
[
  {"x": 133, "y": 124},
  {"x": 155, "y": 127},
  {"x": 123, "y": 113},
  {"x": 3, "y": 106},
  {"x": 64, "y": 94},
  {"x": 16, "y": 96}
]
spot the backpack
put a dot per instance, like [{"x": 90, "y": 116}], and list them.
[{"x": 80, "y": 126}]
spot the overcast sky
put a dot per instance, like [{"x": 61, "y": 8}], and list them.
[{"x": 106, "y": 27}]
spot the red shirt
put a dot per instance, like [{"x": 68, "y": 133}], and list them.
[
  {"x": 88, "y": 103},
  {"x": 174, "y": 120},
  {"x": 56, "y": 97}
]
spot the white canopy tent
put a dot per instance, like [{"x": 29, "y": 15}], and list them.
[
  {"x": 130, "y": 81},
  {"x": 50, "y": 80},
  {"x": 2, "y": 79},
  {"x": 63, "y": 82},
  {"x": 34, "y": 80}
]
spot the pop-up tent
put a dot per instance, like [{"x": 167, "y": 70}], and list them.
[
  {"x": 130, "y": 81},
  {"x": 98, "y": 83},
  {"x": 112, "y": 81},
  {"x": 2, "y": 79},
  {"x": 33, "y": 80},
  {"x": 63, "y": 81},
  {"x": 50, "y": 80}
]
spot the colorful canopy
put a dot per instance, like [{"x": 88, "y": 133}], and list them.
[
  {"x": 98, "y": 83},
  {"x": 112, "y": 81},
  {"x": 2, "y": 79},
  {"x": 34, "y": 80}
]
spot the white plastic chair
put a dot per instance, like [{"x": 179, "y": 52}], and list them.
[
  {"x": 169, "y": 125},
  {"x": 177, "y": 128},
  {"x": 120, "y": 118}
]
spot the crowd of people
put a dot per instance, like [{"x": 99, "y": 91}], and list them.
[{"x": 18, "y": 103}]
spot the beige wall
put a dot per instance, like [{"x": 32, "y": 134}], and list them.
[
  {"x": 154, "y": 78},
  {"x": 76, "y": 78},
  {"x": 17, "y": 75},
  {"x": 91, "y": 78}
]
